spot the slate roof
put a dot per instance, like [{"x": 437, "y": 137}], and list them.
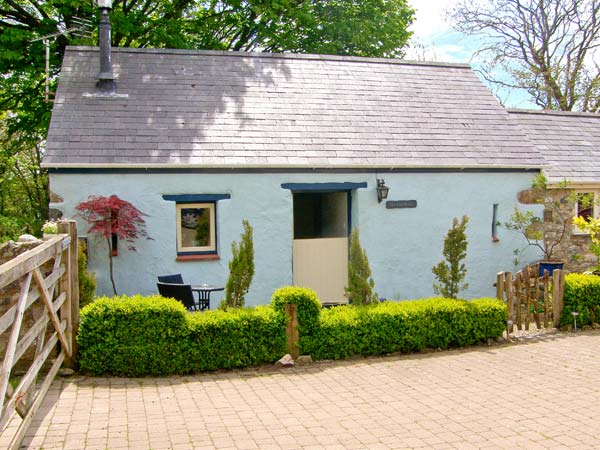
[
  {"x": 568, "y": 141},
  {"x": 227, "y": 109}
]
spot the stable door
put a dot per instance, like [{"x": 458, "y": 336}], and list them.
[{"x": 320, "y": 248}]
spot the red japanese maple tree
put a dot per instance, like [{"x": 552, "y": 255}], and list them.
[{"x": 112, "y": 218}]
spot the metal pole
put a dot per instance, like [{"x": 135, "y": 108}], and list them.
[
  {"x": 105, "y": 66},
  {"x": 105, "y": 77},
  {"x": 47, "y": 44}
]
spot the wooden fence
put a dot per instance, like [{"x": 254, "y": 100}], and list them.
[
  {"x": 531, "y": 298},
  {"x": 46, "y": 278}
]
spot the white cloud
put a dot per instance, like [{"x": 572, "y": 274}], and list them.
[
  {"x": 433, "y": 37},
  {"x": 431, "y": 17}
]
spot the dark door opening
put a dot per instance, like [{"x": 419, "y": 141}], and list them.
[{"x": 320, "y": 215}]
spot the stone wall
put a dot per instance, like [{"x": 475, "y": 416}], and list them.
[
  {"x": 572, "y": 248},
  {"x": 8, "y": 251}
]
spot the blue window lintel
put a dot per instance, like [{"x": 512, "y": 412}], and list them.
[
  {"x": 195, "y": 198},
  {"x": 324, "y": 187}
]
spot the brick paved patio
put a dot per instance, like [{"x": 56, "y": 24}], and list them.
[{"x": 540, "y": 394}]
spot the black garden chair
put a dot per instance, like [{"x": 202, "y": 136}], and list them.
[
  {"x": 175, "y": 278},
  {"x": 181, "y": 292}
]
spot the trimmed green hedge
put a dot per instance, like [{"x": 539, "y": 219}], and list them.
[
  {"x": 582, "y": 294},
  {"x": 234, "y": 338},
  {"x": 405, "y": 326},
  {"x": 132, "y": 336},
  {"x": 138, "y": 335}
]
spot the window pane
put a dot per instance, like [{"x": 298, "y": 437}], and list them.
[
  {"x": 585, "y": 205},
  {"x": 195, "y": 227}
]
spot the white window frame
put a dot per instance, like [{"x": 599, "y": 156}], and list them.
[
  {"x": 595, "y": 208},
  {"x": 181, "y": 250}
]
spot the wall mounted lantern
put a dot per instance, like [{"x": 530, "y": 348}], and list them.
[{"x": 382, "y": 190}]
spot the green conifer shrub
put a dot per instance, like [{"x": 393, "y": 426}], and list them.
[
  {"x": 241, "y": 270},
  {"x": 451, "y": 272},
  {"x": 360, "y": 284}
]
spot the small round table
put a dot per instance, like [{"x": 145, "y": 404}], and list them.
[{"x": 204, "y": 291}]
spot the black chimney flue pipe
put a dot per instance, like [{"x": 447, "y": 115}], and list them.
[{"x": 106, "y": 83}]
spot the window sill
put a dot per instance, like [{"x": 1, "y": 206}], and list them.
[
  {"x": 197, "y": 257},
  {"x": 580, "y": 234},
  {"x": 576, "y": 231}
]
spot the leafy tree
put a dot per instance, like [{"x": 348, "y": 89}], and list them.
[
  {"x": 342, "y": 27},
  {"x": 23, "y": 186},
  {"x": 547, "y": 47},
  {"x": 360, "y": 284},
  {"x": 110, "y": 217},
  {"x": 241, "y": 269},
  {"x": 451, "y": 272}
]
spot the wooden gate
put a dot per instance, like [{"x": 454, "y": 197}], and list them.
[
  {"x": 47, "y": 276},
  {"x": 531, "y": 298}
]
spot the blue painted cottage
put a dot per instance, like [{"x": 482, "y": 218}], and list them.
[{"x": 295, "y": 144}]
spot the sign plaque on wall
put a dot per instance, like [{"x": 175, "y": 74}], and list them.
[{"x": 394, "y": 204}]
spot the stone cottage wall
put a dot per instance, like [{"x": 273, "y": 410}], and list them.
[{"x": 574, "y": 248}]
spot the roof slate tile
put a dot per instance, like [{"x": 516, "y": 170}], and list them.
[
  {"x": 568, "y": 141},
  {"x": 200, "y": 108}
]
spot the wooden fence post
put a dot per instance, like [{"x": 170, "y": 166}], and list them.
[
  {"x": 71, "y": 306},
  {"x": 557, "y": 295},
  {"x": 527, "y": 297},
  {"x": 291, "y": 331},
  {"x": 546, "y": 296},
  {"x": 518, "y": 308},
  {"x": 500, "y": 285},
  {"x": 508, "y": 287},
  {"x": 536, "y": 298}
]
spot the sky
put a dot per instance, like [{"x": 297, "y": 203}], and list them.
[{"x": 434, "y": 39}]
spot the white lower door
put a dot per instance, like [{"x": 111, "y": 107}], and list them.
[{"x": 322, "y": 265}]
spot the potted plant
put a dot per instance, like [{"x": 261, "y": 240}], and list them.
[
  {"x": 49, "y": 229},
  {"x": 535, "y": 229}
]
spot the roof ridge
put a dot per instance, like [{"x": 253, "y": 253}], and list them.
[
  {"x": 294, "y": 56},
  {"x": 553, "y": 112}
]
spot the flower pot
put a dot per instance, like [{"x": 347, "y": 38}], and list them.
[{"x": 549, "y": 266}]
